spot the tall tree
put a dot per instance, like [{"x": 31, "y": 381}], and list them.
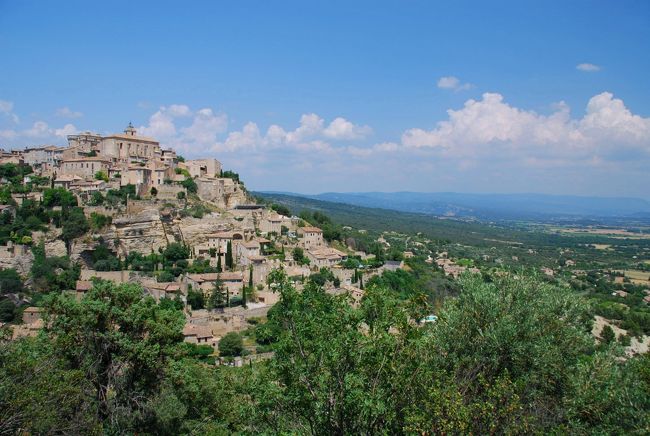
[
  {"x": 218, "y": 297},
  {"x": 229, "y": 258},
  {"x": 119, "y": 340},
  {"x": 248, "y": 290},
  {"x": 75, "y": 224},
  {"x": 219, "y": 268}
]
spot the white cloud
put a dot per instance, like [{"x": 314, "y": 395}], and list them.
[
  {"x": 39, "y": 129},
  {"x": 493, "y": 127},
  {"x": 608, "y": 119},
  {"x": 66, "y": 112},
  {"x": 341, "y": 128},
  {"x": 68, "y": 129},
  {"x": 168, "y": 125},
  {"x": 587, "y": 67},
  {"x": 161, "y": 123},
  {"x": 453, "y": 83},
  {"x": 205, "y": 127},
  {"x": 6, "y": 108},
  {"x": 311, "y": 134}
]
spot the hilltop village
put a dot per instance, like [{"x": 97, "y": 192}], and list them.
[
  {"x": 121, "y": 208},
  {"x": 142, "y": 292}
]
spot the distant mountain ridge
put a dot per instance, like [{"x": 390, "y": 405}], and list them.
[{"x": 494, "y": 206}]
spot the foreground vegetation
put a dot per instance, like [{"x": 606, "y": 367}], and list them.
[{"x": 510, "y": 355}]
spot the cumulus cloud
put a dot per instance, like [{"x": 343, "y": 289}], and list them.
[
  {"x": 39, "y": 129},
  {"x": 205, "y": 127},
  {"x": 186, "y": 129},
  {"x": 491, "y": 124},
  {"x": 42, "y": 131},
  {"x": 341, "y": 128},
  {"x": 66, "y": 112},
  {"x": 453, "y": 83},
  {"x": 312, "y": 133},
  {"x": 68, "y": 129},
  {"x": 588, "y": 68},
  {"x": 162, "y": 122}
]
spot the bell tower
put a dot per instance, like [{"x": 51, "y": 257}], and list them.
[{"x": 130, "y": 130}]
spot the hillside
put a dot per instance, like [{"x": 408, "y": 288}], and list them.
[{"x": 496, "y": 206}]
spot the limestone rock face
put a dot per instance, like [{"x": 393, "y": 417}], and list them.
[
  {"x": 142, "y": 232},
  {"x": 196, "y": 231},
  {"x": 55, "y": 247},
  {"x": 223, "y": 193},
  {"x": 21, "y": 263}
]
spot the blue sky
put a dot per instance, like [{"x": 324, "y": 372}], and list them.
[{"x": 522, "y": 96}]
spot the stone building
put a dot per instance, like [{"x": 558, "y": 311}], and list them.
[
  {"x": 325, "y": 257},
  {"x": 204, "y": 168},
  {"x": 49, "y": 155},
  {"x": 84, "y": 166},
  {"x": 129, "y": 147},
  {"x": 310, "y": 236},
  {"x": 233, "y": 281}
]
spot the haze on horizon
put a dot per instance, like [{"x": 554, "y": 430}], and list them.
[{"x": 348, "y": 96}]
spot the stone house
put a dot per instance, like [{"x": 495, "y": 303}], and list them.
[
  {"x": 325, "y": 257},
  {"x": 65, "y": 180},
  {"x": 204, "y": 168},
  {"x": 310, "y": 237},
  {"x": 272, "y": 224},
  {"x": 49, "y": 155},
  {"x": 199, "y": 334},
  {"x": 32, "y": 315},
  {"x": 84, "y": 166},
  {"x": 245, "y": 251},
  {"x": 234, "y": 281}
]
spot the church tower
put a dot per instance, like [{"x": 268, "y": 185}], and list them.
[{"x": 130, "y": 130}]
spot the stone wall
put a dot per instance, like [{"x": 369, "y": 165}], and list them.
[
  {"x": 88, "y": 210},
  {"x": 169, "y": 192},
  {"x": 115, "y": 276}
]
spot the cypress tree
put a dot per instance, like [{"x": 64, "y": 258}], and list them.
[
  {"x": 243, "y": 296},
  {"x": 219, "y": 268},
  {"x": 229, "y": 255},
  {"x": 217, "y": 297}
]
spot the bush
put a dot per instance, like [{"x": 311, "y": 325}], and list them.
[
  {"x": 58, "y": 197},
  {"x": 101, "y": 175},
  {"x": 7, "y": 310},
  {"x": 231, "y": 345},
  {"x": 190, "y": 185},
  {"x": 165, "y": 276},
  {"x": 10, "y": 281},
  {"x": 608, "y": 334},
  {"x": 99, "y": 221},
  {"x": 75, "y": 224},
  {"x": 176, "y": 251},
  {"x": 195, "y": 299},
  {"x": 97, "y": 199}
]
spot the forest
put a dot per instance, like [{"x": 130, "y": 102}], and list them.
[{"x": 512, "y": 355}]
